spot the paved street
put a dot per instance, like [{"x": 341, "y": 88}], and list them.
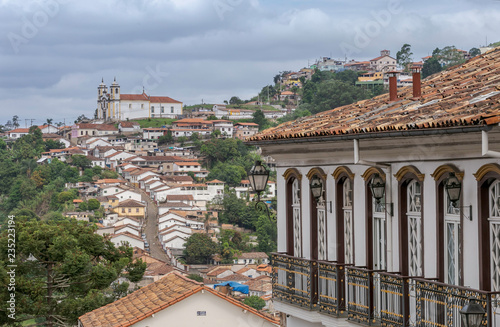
[{"x": 151, "y": 229}]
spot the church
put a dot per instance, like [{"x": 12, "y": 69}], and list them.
[{"x": 113, "y": 105}]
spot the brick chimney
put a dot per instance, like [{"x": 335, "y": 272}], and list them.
[
  {"x": 417, "y": 90},
  {"x": 393, "y": 86}
]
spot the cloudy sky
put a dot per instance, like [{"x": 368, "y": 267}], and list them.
[{"x": 53, "y": 53}]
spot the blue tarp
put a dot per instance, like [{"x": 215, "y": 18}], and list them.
[{"x": 235, "y": 286}]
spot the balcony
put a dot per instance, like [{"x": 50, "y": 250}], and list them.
[{"x": 372, "y": 297}]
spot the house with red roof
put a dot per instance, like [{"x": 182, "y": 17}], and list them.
[
  {"x": 112, "y": 104},
  {"x": 176, "y": 300},
  {"x": 18, "y": 132}
]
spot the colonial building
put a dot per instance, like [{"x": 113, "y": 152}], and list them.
[
  {"x": 389, "y": 208},
  {"x": 117, "y": 106}
]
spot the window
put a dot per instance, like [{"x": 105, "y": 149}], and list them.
[
  {"x": 123, "y": 210},
  {"x": 452, "y": 242},
  {"x": 494, "y": 221},
  {"x": 129, "y": 210},
  {"x": 414, "y": 220},
  {"x": 137, "y": 210},
  {"x": 152, "y": 108},
  {"x": 162, "y": 109},
  {"x": 130, "y": 106},
  {"x": 348, "y": 222},
  {"x": 171, "y": 110},
  {"x": 379, "y": 234},
  {"x": 142, "y": 105}
]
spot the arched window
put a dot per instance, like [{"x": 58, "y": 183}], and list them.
[
  {"x": 449, "y": 229},
  {"x": 488, "y": 177},
  {"x": 293, "y": 213},
  {"x": 410, "y": 220},
  {"x": 318, "y": 217},
  {"x": 344, "y": 215},
  {"x": 376, "y": 230}
]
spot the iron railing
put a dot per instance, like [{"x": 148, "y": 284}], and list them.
[
  {"x": 295, "y": 280},
  {"x": 360, "y": 295},
  {"x": 331, "y": 288},
  {"x": 394, "y": 300}
]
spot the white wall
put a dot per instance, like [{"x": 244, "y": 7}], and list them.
[{"x": 219, "y": 313}]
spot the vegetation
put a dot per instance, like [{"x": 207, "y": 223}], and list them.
[
  {"x": 199, "y": 249},
  {"x": 255, "y": 302},
  {"x": 71, "y": 270},
  {"x": 155, "y": 122}
]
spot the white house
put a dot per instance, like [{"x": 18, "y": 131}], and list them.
[
  {"x": 388, "y": 209},
  {"x": 175, "y": 298},
  {"x": 129, "y": 127},
  {"x": 128, "y": 194},
  {"x": 127, "y": 221},
  {"x": 224, "y": 126},
  {"x": 127, "y": 238},
  {"x": 112, "y": 104},
  {"x": 18, "y": 132}
]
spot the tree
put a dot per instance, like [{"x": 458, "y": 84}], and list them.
[
  {"x": 93, "y": 204},
  {"x": 235, "y": 100},
  {"x": 260, "y": 119},
  {"x": 80, "y": 161},
  {"x": 81, "y": 118},
  {"x": 431, "y": 66},
  {"x": 49, "y": 121},
  {"x": 70, "y": 271},
  {"x": 15, "y": 121},
  {"x": 51, "y": 144},
  {"x": 199, "y": 249},
  {"x": 404, "y": 57},
  {"x": 194, "y": 137},
  {"x": 255, "y": 302},
  {"x": 166, "y": 139},
  {"x": 474, "y": 52}
]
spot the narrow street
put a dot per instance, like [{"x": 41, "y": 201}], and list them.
[{"x": 151, "y": 229}]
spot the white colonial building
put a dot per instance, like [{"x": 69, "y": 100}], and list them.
[
  {"x": 117, "y": 106},
  {"x": 410, "y": 256}
]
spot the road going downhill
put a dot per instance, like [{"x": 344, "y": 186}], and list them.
[{"x": 151, "y": 229}]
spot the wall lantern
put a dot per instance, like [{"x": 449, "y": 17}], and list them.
[
  {"x": 453, "y": 188},
  {"x": 316, "y": 185},
  {"x": 377, "y": 186},
  {"x": 258, "y": 177},
  {"x": 472, "y": 314}
]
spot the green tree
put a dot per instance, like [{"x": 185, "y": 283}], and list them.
[
  {"x": 51, "y": 144},
  {"x": 166, "y": 139},
  {"x": 199, "y": 249},
  {"x": 474, "y": 52},
  {"x": 70, "y": 271},
  {"x": 260, "y": 119},
  {"x": 431, "y": 66},
  {"x": 235, "y": 100},
  {"x": 182, "y": 140},
  {"x": 93, "y": 204},
  {"x": 404, "y": 57},
  {"x": 80, "y": 161},
  {"x": 255, "y": 302}
]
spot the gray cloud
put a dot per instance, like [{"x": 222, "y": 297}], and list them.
[{"x": 208, "y": 50}]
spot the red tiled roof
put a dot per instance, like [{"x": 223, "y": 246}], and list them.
[
  {"x": 160, "y": 99},
  {"x": 129, "y": 123},
  {"x": 134, "y": 97},
  {"x": 130, "y": 203},
  {"x": 20, "y": 130},
  {"x": 154, "y": 298},
  {"x": 464, "y": 95}
]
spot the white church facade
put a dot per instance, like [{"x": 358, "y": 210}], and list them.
[{"x": 113, "y": 105}]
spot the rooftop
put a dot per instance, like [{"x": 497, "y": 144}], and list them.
[{"x": 462, "y": 96}]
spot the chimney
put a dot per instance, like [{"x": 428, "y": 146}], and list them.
[
  {"x": 393, "y": 86},
  {"x": 417, "y": 90}
]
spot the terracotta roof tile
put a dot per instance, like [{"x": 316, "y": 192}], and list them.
[{"x": 464, "y": 95}]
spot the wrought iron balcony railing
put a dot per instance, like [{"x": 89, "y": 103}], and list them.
[
  {"x": 362, "y": 291},
  {"x": 394, "y": 300},
  {"x": 331, "y": 288},
  {"x": 295, "y": 280}
]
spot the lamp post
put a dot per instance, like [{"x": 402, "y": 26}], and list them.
[
  {"x": 453, "y": 189},
  {"x": 258, "y": 177},
  {"x": 377, "y": 186},
  {"x": 472, "y": 314},
  {"x": 316, "y": 186}
]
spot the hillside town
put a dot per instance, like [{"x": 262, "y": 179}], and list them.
[{"x": 340, "y": 242}]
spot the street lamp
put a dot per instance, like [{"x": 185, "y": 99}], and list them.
[
  {"x": 453, "y": 189},
  {"x": 377, "y": 186},
  {"x": 316, "y": 185},
  {"x": 472, "y": 314},
  {"x": 258, "y": 177}
]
